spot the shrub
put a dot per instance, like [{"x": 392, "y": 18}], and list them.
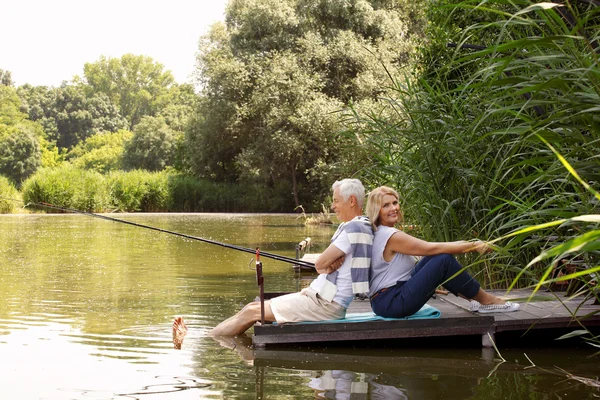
[
  {"x": 189, "y": 194},
  {"x": 67, "y": 186},
  {"x": 139, "y": 190},
  {"x": 7, "y": 192}
]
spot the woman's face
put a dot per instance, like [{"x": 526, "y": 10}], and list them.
[{"x": 389, "y": 214}]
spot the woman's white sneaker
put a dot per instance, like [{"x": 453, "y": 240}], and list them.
[{"x": 494, "y": 308}]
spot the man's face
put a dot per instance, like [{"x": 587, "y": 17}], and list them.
[{"x": 341, "y": 207}]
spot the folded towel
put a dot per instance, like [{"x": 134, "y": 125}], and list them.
[{"x": 425, "y": 312}]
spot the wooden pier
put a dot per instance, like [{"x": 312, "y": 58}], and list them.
[{"x": 546, "y": 311}]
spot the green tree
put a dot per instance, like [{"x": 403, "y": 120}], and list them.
[
  {"x": 137, "y": 84},
  {"x": 102, "y": 152},
  {"x": 152, "y": 146},
  {"x": 274, "y": 76},
  {"x": 68, "y": 115},
  {"x": 20, "y": 152},
  {"x": 6, "y": 78}
]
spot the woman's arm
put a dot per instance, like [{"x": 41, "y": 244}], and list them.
[{"x": 403, "y": 243}]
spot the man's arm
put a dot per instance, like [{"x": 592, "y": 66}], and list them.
[{"x": 329, "y": 260}]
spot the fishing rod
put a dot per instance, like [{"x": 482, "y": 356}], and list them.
[{"x": 229, "y": 246}]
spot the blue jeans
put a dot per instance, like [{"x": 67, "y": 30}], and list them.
[{"x": 407, "y": 297}]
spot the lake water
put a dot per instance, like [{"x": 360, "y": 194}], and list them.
[{"x": 87, "y": 305}]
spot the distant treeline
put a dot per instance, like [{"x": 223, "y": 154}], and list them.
[{"x": 265, "y": 109}]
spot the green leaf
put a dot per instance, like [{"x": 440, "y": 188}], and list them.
[{"x": 579, "y": 332}]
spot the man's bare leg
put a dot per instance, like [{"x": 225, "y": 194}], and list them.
[
  {"x": 179, "y": 332},
  {"x": 243, "y": 320}
]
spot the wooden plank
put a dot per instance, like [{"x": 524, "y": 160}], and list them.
[
  {"x": 305, "y": 333},
  {"x": 545, "y": 312}
]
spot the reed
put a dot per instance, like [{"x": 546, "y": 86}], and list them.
[
  {"x": 8, "y": 195},
  {"x": 67, "y": 186},
  {"x": 464, "y": 139},
  {"x": 139, "y": 191}
]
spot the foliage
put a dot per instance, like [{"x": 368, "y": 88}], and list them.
[
  {"x": 102, "y": 152},
  {"x": 8, "y": 193},
  {"x": 139, "y": 191},
  {"x": 6, "y": 78},
  {"x": 68, "y": 114},
  {"x": 51, "y": 155},
  {"x": 20, "y": 153},
  {"x": 67, "y": 186},
  {"x": 152, "y": 146},
  {"x": 136, "y": 84},
  {"x": 274, "y": 77},
  {"x": 144, "y": 191},
  {"x": 189, "y": 194},
  {"x": 462, "y": 140}
]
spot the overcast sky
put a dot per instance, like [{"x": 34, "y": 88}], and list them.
[{"x": 44, "y": 42}]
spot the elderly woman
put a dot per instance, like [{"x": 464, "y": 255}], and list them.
[{"x": 398, "y": 286}]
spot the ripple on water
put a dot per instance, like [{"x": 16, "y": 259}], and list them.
[{"x": 60, "y": 361}]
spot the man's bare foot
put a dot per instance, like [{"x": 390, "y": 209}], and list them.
[{"x": 179, "y": 332}]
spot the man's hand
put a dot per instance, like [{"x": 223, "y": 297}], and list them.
[
  {"x": 336, "y": 265},
  {"x": 330, "y": 260}
]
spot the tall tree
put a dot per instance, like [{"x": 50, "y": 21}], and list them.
[
  {"x": 273, "y": 76},
  {"x": 68, "y": 114},
  {"x": 136, "y": 84},
  {"x": 20, "y": 152},
  {"x": 152, "y": 146},
  {"x": 6, "y": 78},
  {"x": 102, "y": 152}
]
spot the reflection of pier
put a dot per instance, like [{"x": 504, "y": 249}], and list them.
[
  {"x": 385, "y": 373},
  {"x": 375, "y": 374}
]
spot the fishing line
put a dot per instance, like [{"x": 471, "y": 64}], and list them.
[{"x": 229, "y": 246}]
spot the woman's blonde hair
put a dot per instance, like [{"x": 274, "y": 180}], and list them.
[{"x": 375, "y": 201}]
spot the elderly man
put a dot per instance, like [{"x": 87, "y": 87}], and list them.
[{"x": 343, "y": 271}]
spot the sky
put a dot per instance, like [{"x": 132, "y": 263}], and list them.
[{"x": 45, "y": 42}]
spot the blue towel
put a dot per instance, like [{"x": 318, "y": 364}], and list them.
[{"x": 425, "y": 312}]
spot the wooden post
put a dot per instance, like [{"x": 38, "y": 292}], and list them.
[
  {"x": 260, "y": 381},
  {"x": 260, "y": 280},
  {"x": 488, "y": 339}
]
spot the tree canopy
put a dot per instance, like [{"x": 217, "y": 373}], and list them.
[
  {"x": 136, "y": 84},
  {"x": 274, "y": 77},
  {"x": 68, "y": 115},
  {"x": 20, "y": 152}
]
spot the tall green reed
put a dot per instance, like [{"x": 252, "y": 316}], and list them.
[
  {"x": 139, "y": 191},
  {"x": 8, "y": 195},
  {"x": 463, "y": 142},
  {"x": 67, "y": 186}
]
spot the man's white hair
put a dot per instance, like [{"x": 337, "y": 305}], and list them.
[{"x": 351, "y": 187}]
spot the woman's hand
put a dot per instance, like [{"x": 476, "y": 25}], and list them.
[{"x": 482, "y": 247}]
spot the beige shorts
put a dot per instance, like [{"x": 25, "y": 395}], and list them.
[{"x": 305, "y": 305}]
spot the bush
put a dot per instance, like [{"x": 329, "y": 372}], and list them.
[
  {"x": 7, "y": 192},
  {"x": 139, "y": 190},
  {"x": 189, "y": 194},
  {"x": 143, "y": 191},
  {"x": 69, "y": 187}
]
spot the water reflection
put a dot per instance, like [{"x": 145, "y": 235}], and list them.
[
  {"x": 87, "y": 308},
  {"x": 400, "y": 373}
]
